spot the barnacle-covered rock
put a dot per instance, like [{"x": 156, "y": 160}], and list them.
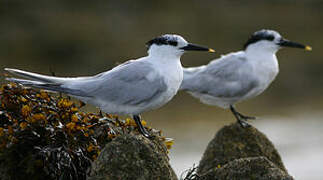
[{"x": 48, "y": 137}]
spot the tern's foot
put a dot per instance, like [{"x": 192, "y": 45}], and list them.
[
  {"x": 147, "y": 135},
  {"x": 242, "y": 120},
  {"x": 246, "y": 117},
  {"x": 243, "y": 123}
]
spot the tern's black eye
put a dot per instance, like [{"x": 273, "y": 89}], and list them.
[
  {"x": 162, "y": 40},
  {"x": 258, "y": 36},
  {"x": 173, "y": 43}
]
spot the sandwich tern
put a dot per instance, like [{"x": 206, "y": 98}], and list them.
[
  {"x": 239, "y": 75},
  {"x": 131, "y": 88}
]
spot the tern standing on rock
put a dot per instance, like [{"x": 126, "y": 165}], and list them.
[
  {"x": 131, "y": 88},
  {"x": 240, "y": 75}
]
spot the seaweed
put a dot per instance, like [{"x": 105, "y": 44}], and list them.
[{"x": 47, "y": 136}]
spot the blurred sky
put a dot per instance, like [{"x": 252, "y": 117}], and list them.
[
  {"x": 86, "y": 37},
  {"x": 81, "y": 37}
]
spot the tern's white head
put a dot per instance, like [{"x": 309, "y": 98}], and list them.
[
  {"x": 172, "y": 45},
  {"x": 270, "y": 41}
]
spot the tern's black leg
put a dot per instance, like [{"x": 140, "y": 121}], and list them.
[
  {"x": 242, "y": 119},
  {"x": 54, "y": 74},
  {"x": 82, "y": 104},
  {"x": 117, "y": 120},
  {"x": 100, "y": 113},
  {"x": 142, "y": 129}
]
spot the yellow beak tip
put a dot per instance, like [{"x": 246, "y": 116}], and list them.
[
  {"x": 308, "y": 48},
  {"x": 211, "y": 50}
]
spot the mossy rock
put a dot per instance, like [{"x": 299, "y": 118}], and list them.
[
  {"x": 133, "y": 157},
  {"x": 235, "y": 142}
]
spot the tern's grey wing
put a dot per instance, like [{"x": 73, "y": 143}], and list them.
[
  {"x": 131, "y": 83},
  {"x": 228, "y": 77}
]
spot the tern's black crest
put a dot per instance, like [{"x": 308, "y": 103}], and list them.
[
  {"x": 163, "y": 40},
  {"x": 258, "y": 36}
]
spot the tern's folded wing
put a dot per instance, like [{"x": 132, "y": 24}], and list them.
[
  {"x": 131, "y": 83},
  {"x": 228, "y": 77}
]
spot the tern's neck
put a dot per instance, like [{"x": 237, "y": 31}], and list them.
[
  {"x": 164, "y": 53},
  {"x": 256, "y": 52},
  {"x": 164, "y": 58}
]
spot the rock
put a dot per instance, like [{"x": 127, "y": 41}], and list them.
[
  {"x": 257, "y": 168},
  {"x": 3, "y": 173},
  {"x": 133, "y": 157},
  {"x": 234, "y": 142}
]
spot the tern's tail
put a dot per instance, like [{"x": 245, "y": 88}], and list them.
[
  {"x": 43, "y": 82},
  {"x": 35, "y": 76}
]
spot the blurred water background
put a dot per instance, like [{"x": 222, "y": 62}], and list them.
[{"x": 73, "y": 38}]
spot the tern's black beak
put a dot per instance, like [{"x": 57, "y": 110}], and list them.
[
  {"x": 195, "y": 47},
  {"x": 287, "y": 43}
]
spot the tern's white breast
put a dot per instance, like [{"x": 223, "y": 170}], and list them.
[
  {"x": 265, "y": 69},
  {"x": 172, "y": 73}
]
